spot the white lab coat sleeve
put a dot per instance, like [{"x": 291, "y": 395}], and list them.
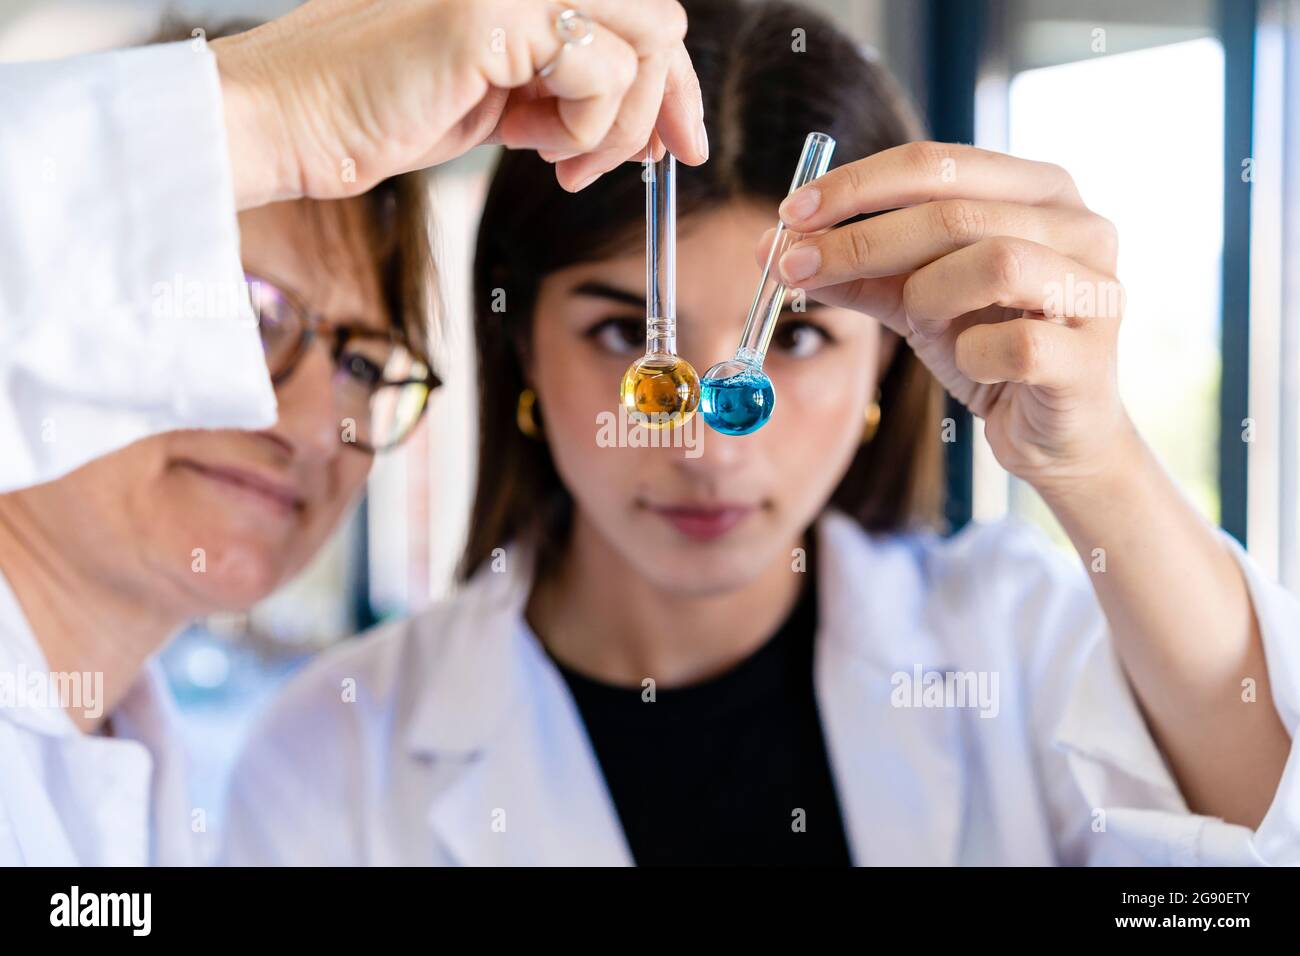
[
  {"x": 1112, "y": 798},
  {"x": 123, "y": 311}
]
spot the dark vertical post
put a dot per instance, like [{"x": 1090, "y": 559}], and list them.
[
  {"x": 955, "y": 31},
  {"x": 1237, "y": 19},
  {"x": 363, "y": 611}
]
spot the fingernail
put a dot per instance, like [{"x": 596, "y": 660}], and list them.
[
  {"x": 702, "y": 139},
  {"x": 585, "y": 183},
  {"x": 801, "y": 204},
  {"x": 800, "y": 262}
]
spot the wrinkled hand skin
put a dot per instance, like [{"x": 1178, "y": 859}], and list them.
[{"x": 337, "y": 95}]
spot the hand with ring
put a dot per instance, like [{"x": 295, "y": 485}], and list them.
[{"x": 340, "y": 94}]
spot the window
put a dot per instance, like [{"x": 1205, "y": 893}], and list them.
[{"x": 1142, "y": 134}]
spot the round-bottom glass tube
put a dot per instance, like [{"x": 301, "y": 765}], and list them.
[
  {"x": 736, "y": 397},
  {"x": 660, "y": 390}
]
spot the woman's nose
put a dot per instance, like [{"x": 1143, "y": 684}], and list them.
[
  {"x": 704, "y": 348},
  {"x": 711, "y": 453},
  {"x": 309, "y": 414}
]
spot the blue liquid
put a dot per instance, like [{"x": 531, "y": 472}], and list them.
[{"x": 738, "y": 404}]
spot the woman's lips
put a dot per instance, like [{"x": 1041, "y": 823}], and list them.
[
  {"x": 279, "y": 496},
  {"x": 701, "y": 522}
]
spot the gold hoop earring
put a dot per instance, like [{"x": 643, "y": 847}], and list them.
[
  {"x": 872, "y": 419},
  {"x": 525, "y": 414}
]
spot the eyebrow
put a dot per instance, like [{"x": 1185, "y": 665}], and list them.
[
  {"x": 601, "y": 290},
  {"x": 355, "y": 320}
]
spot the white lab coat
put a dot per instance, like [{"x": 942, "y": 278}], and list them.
[
  {"x": 69, "y": 798},
  {"x": 116, "y": 197},
  {"x": 119, "y": 252},
  {"x": 452, "y": 738},
  {"x": 116, "y": 209}
]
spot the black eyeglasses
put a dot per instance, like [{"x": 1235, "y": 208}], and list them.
[{"x": 381, "y": 385}]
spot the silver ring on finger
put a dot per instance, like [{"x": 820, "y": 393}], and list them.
[{"x": 574, "y": 28}]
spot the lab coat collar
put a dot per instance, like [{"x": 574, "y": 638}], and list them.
[
  {"x": 498, "y": 721},
  {"x": 471, "y": 683},
  {"x": 494, "y": 688},
  {"x": 142, "y": 763},
  {"x": 900, "y": 764},
  {"x": 21, "y": 656},
  {"x": 148, "y": 715}
]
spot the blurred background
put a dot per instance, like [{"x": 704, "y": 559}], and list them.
[{"x": 1196, "y": 91}]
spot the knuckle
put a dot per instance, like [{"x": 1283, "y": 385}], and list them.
[
  {"x": 624, "y": 66},
  {"x": 1060, "y": 175},
  {"x": 588, "y": 137},
  {"x": 855, "y": 178},
  {"x": 927, "y": 157},
  {"x": 1006, "y": 263},
  {"x": 859, "y": 244},
  {"x": 1061, "y": 183},
  {"x": 960, "y": 221},
  {"x": 1107, "y": 237},
  {"x": 1025, "y": 350},
  {"x": 623, "y": 143},
  {"x": 672, "y": 21},
  {"x": 913, "y": 299},
  {"x": 625, "y": 136}
]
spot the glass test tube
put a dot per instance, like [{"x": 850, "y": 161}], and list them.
[
  {"x": 737, "y": 396},
  {"x": 660, "y": 389},
  {"x": 770, "y": 297}
]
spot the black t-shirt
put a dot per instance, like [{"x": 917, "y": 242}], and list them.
[{"x": 731, "y": 770}]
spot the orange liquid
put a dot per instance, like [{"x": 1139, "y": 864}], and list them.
[{"x": 660, "y": 391}]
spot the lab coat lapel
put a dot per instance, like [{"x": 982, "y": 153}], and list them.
[
  {"x": 104, "y": 779},
  {"x": 34, "y": 830},
  {"x": 29, "y": 824},
  {"x": 149, "y": 716},
  {"x": 897, "y": 770},
  {"x": 516, "y": 780}
]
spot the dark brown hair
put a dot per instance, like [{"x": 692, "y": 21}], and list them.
[
  {"x": 763, "y": 91},
  {"x": 396, "y": 218}
]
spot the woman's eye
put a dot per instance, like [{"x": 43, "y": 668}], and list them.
[
  {"x": 619, "y": 336},
  {"x": 361, "y": 369},
  {"x": 799, "y": 338}
]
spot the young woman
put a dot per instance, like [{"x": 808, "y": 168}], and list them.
[
  {"x": 124, "y": 316},
  {"x": 760, "y": 654}
]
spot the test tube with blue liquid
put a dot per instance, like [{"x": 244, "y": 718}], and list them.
[{"x": 736, "y": 396}]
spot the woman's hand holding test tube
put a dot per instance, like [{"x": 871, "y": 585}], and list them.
[
  {"x": 1000, "y": 279},
  {"x": 340, "y": 94},
  {"x": 1003, "y": 282}
]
